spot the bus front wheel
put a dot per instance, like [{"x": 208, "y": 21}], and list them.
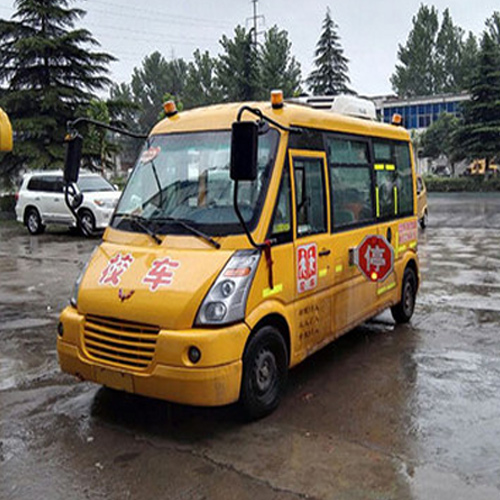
[
  {"x": 403, "y": 310},
  {"x": 265, "y": 371}
]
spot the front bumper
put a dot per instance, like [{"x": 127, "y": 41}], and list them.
[{"x": 214, "y": 381}]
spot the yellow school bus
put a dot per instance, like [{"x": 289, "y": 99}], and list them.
[
  {"x": 5, "y": 132},
  {"x": 211, "y": 283}
]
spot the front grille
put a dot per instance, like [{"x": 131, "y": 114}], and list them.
[{"x": 125, "y": 343}]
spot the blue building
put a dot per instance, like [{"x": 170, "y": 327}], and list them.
[{"x": 419, "y": 112}]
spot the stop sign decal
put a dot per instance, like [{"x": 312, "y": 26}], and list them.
[{"x": 374, "y": 257}]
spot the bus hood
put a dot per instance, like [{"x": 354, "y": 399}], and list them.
[{"x": 155, "y": 286}]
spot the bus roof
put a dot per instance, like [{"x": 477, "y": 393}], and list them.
[{"x": 221, "y": 116}]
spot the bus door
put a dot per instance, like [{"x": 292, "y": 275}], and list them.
[
  {"x": 312, "y": 248},
  {"x": 353, "y": 219}
]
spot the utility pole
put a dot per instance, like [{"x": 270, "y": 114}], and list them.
[{"x": 255, "y": 20}]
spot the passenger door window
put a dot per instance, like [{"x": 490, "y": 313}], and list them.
[
  {"x": 310, "y": 200},
  {"x": 281, "y": 225}
]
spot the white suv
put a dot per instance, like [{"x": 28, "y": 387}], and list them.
[{"x": 40, "y": 201}]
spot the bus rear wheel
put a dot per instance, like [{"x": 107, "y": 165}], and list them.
[
  {"x": 265, "y": 371},
  {"x": 403, "y": 310}
]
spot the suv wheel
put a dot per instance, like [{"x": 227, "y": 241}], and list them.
[
  {"x": 33, "y": 221},
  {"x": 87, "y": 220}
]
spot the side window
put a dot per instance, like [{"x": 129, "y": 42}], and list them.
[
  {"x": 404, "y": 179},
  {"x": 281, "y": 225},
  {"x": 350, "y": 181},
  {"x": 59, "y": 185},
  {"x": 310, "y": 199},
  {"x": 47, "y": 184},
  {"x": 394, "y": 181},
  {"x": 34, "y": 184},
  {"x": 385, "y": 180},
  {"x": 351, "y": 189}
]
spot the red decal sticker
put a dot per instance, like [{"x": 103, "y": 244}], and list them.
[
  {"x": 307, "y": 267},
  {"x": 111, "y": 275},
  {"x": 150, "y": 154},
  {"x": 161, "y": 273}
]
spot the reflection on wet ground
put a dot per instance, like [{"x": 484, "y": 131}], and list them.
[{"x": 386, "y": 412}]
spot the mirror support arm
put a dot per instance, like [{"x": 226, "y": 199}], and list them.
[
  {"x": 71, "y": 126},
  {"x": 266, "y": 246}
]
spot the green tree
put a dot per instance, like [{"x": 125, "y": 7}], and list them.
[
  {"x": 237, "y": 68},
  {"x": 202, "y": 87},
  {"x": 416, "y": 72},
  {"x": 99, "y": 147},
  {"x": 440, "y": 139},
  {"x": 469, "y": 60},
  {"x": 48, "y": 70},
  {"x": 278, "y": 68},
  {"x": 493, "y": 27},
  {"x": 479, "y": 133},
  {"x": 152, "y": 81},
  {"x": 331, "y": 74},
  {"x": 449, "y": 69},
  {"x": 124, "y": 113}
]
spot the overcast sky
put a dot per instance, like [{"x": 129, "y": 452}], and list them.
[{"x": 370, "y": 30}]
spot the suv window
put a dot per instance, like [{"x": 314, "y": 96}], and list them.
[{"x": 46, "y": 183}]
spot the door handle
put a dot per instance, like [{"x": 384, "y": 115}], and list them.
[
  {"x": 56, "y": 199},
  {"x": 324, "y": 252}
]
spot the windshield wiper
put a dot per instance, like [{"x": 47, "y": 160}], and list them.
[
  {"x": 139, "y": 221},
  {"x": 190, "y": 228}
]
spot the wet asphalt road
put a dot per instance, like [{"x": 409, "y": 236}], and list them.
[{"x": 406, "y": 412}]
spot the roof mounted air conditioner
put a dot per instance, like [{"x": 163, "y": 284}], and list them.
[{"x": 349, "y": 105}]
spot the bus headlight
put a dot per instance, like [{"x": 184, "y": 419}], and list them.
[
  {"x": 76, "y": 287},
  {"x": 226, "y": 300}
]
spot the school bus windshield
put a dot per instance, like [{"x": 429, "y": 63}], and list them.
[{"x": 186, "y": 177}]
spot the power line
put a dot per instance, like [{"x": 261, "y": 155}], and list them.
[{"x": 167, "y": 15}]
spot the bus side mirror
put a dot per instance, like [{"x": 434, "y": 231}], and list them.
[
  {"x": 5, "y": 132},
  {"x": 244, "y": 142},
  {"x": 73, "y": 158}
]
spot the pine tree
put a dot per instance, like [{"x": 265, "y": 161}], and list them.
[
  {"x": 331, "y": 74},
  {"x": 152, "y": 81},
  {"x": 449, "y": 71},
  {"x": 469, "y": 60},
  {"x": 278, "y": 68},
  {"x": 479, "y": 134},
  {"x": 237, "y": 68},
  {"x": 493, "y": 27},
  {"x": 48, "y": 71},
  {"x": 415, "y": 75},
  {"x": 201, "y": 84}
]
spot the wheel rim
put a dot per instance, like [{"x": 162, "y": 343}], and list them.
[
  {"x": 86, "y": 221},
  {"x": 32, "y": 222},
  {"x": 265, "y": 373},
  {"x": 409, "y": 301}
]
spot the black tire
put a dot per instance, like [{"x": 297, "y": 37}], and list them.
[
  {"x": 33, "y": 221},
  {"x": 403, "y": 311},
  {"x": 265, "y": 372},
  {"x": 424, "y": 220},
  {"x": 87, "y": 221}
]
